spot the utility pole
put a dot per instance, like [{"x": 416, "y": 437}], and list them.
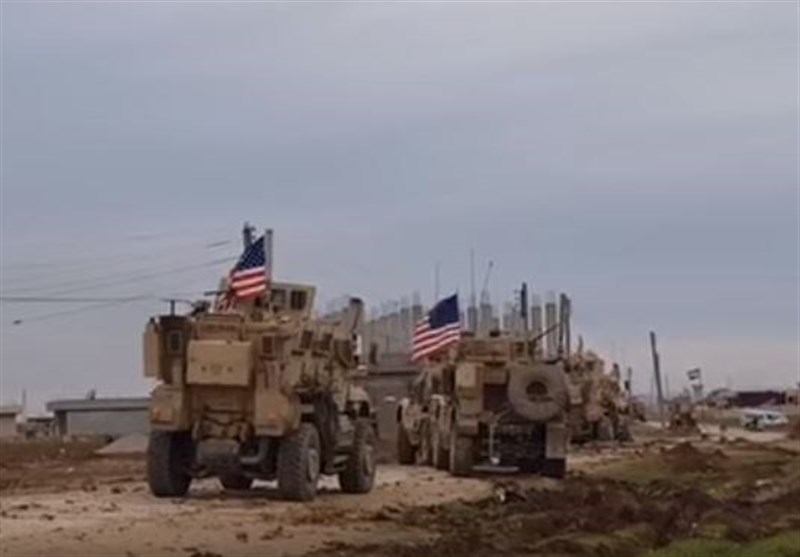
[
  {"x": 472, "y": 311},
  {"x": 657, "y": 376}
]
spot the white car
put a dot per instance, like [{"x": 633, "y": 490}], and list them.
[{"x": 762, "y": 419}]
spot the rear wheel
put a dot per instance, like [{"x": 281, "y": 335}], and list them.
[
  {"x": 424, "y": 455},
  {"x": 623, "y": 432},
  {"x": 299, "y": 464},
  {"x": 358, "y": 475},
  {"x": 605, "y": 430},
  {"x": 461, "y": 454},
  {"x": 405, "y": 450},
  {"x": 169, "y": 458},
  {"x": 440, "y": 454},
  {"x": 235, "y": 481},
  {"x": 554, "y": 468}
]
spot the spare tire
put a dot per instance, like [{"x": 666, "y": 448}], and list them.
[{"x": 538, "y": 392}]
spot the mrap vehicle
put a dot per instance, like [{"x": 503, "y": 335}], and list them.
[
  {"x": 495, "y": 404},
  {"x": 266, "y": 391}
]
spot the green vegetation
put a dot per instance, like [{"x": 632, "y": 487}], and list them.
[{"x": 786, "y": 544}]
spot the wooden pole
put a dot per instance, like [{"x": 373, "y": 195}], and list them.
[{"x": 657, "y": 377}]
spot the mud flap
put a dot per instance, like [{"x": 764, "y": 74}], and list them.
[
  {"x": 467, "y": 426},
  {"x": 556, "y": 442}
]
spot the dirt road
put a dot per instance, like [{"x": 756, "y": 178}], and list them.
[
  {"x": 122, "y": 518},
  {"x": 86, "y": 505},
  {"x": 100, "y": 506}
]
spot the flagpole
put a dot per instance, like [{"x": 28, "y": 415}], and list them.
[{"x": 268, "y": 257}]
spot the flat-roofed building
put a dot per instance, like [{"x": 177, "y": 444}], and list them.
[{"x": 100, "y": 416}]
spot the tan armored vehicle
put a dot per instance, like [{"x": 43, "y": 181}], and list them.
[
  {"x": 602, "y": 409},
  {"x": 264, "y": 391},
  {"x": 491, "y": 404}
]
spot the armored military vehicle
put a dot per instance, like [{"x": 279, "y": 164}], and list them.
[
  {"x": 602, "y": 409},
  {"x": 262, "y": 390},
  {"x": 490, "y": 404}
]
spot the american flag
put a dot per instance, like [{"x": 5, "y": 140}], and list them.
[
  {"x": 250, "y": 275},
  {"x": 440, "y": 328}
]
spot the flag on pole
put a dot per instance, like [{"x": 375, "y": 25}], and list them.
[
  {"x": 440, "y": 328},
  {"x": 250, "y": 276}
]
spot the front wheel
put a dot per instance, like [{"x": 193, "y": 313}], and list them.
[
  {"x": 299, "y": 464},
  {"x": 169, "y": 459},
  {"x": 554, "y": 468},
  {"x": 405, "y": 450},
  {"x": 440, "y": 454},
  {"x": 358, "y": 475},
  {"x": 461, "y": 454}
]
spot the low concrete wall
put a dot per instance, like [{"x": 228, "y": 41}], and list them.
[{"x": 105, "y": 422}]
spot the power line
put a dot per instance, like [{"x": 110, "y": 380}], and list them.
[
  {"x": 85, "y": 268},
  {"x": 114, "y": 280},
  {"x": 71, "y": 300},
  {"x": 81, "y": 309}
]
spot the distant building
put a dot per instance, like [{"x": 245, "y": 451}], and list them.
[
  {"x": 745, "y": 399},
  {"x": 8, "y": 420},
  {"x": 721, "y": 398},
  {"x": 100, "y": 416}
]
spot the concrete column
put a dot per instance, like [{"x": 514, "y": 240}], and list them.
[{"x": 550, "y": 319}]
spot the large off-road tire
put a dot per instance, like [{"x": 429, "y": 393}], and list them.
[
  {"x": 623, "y": 432},
  {"x": 299, "y": 464},
  {"x": 235, "y": 481},
  {"x": 358, "y": 475},
  {"x": 439, "y": 451},
  {"x": 554, "y": 468},
  {"x": 424, "y": 455},
  {"x": 169, "y": 459},
  {"x": 405, "y": 450},
  {"x": 604, "y": 430},
  {"x": 538, "y": 392},
  {"x": 462, "y": 454}
]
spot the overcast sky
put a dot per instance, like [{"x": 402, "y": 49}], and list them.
[{"x": 642, "y": 157}]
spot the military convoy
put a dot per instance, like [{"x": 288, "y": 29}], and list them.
[
  {"x": 261, "y": 391},
  {"x": 491, "y": 404}
]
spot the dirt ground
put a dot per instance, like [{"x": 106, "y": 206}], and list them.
[{"x": 64, "y": 500}]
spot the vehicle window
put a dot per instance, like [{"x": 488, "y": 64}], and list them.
[
  {"x": 278, "y": 299},
  {"x": 175, "y": 343},
  {"x": 297, "y": 300}
]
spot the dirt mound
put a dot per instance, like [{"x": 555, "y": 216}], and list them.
[
  {"x": 685, "y": 457},
  {"x": 53, "y": 464},
  {"x": 599, "y": 516},
  {"x": 794, "y": 428},
  {"x": 24, "y": 453},
  {"x": 589, "y": 517}
]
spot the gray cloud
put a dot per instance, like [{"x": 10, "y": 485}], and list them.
[{"x": 641, "y": 156}]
